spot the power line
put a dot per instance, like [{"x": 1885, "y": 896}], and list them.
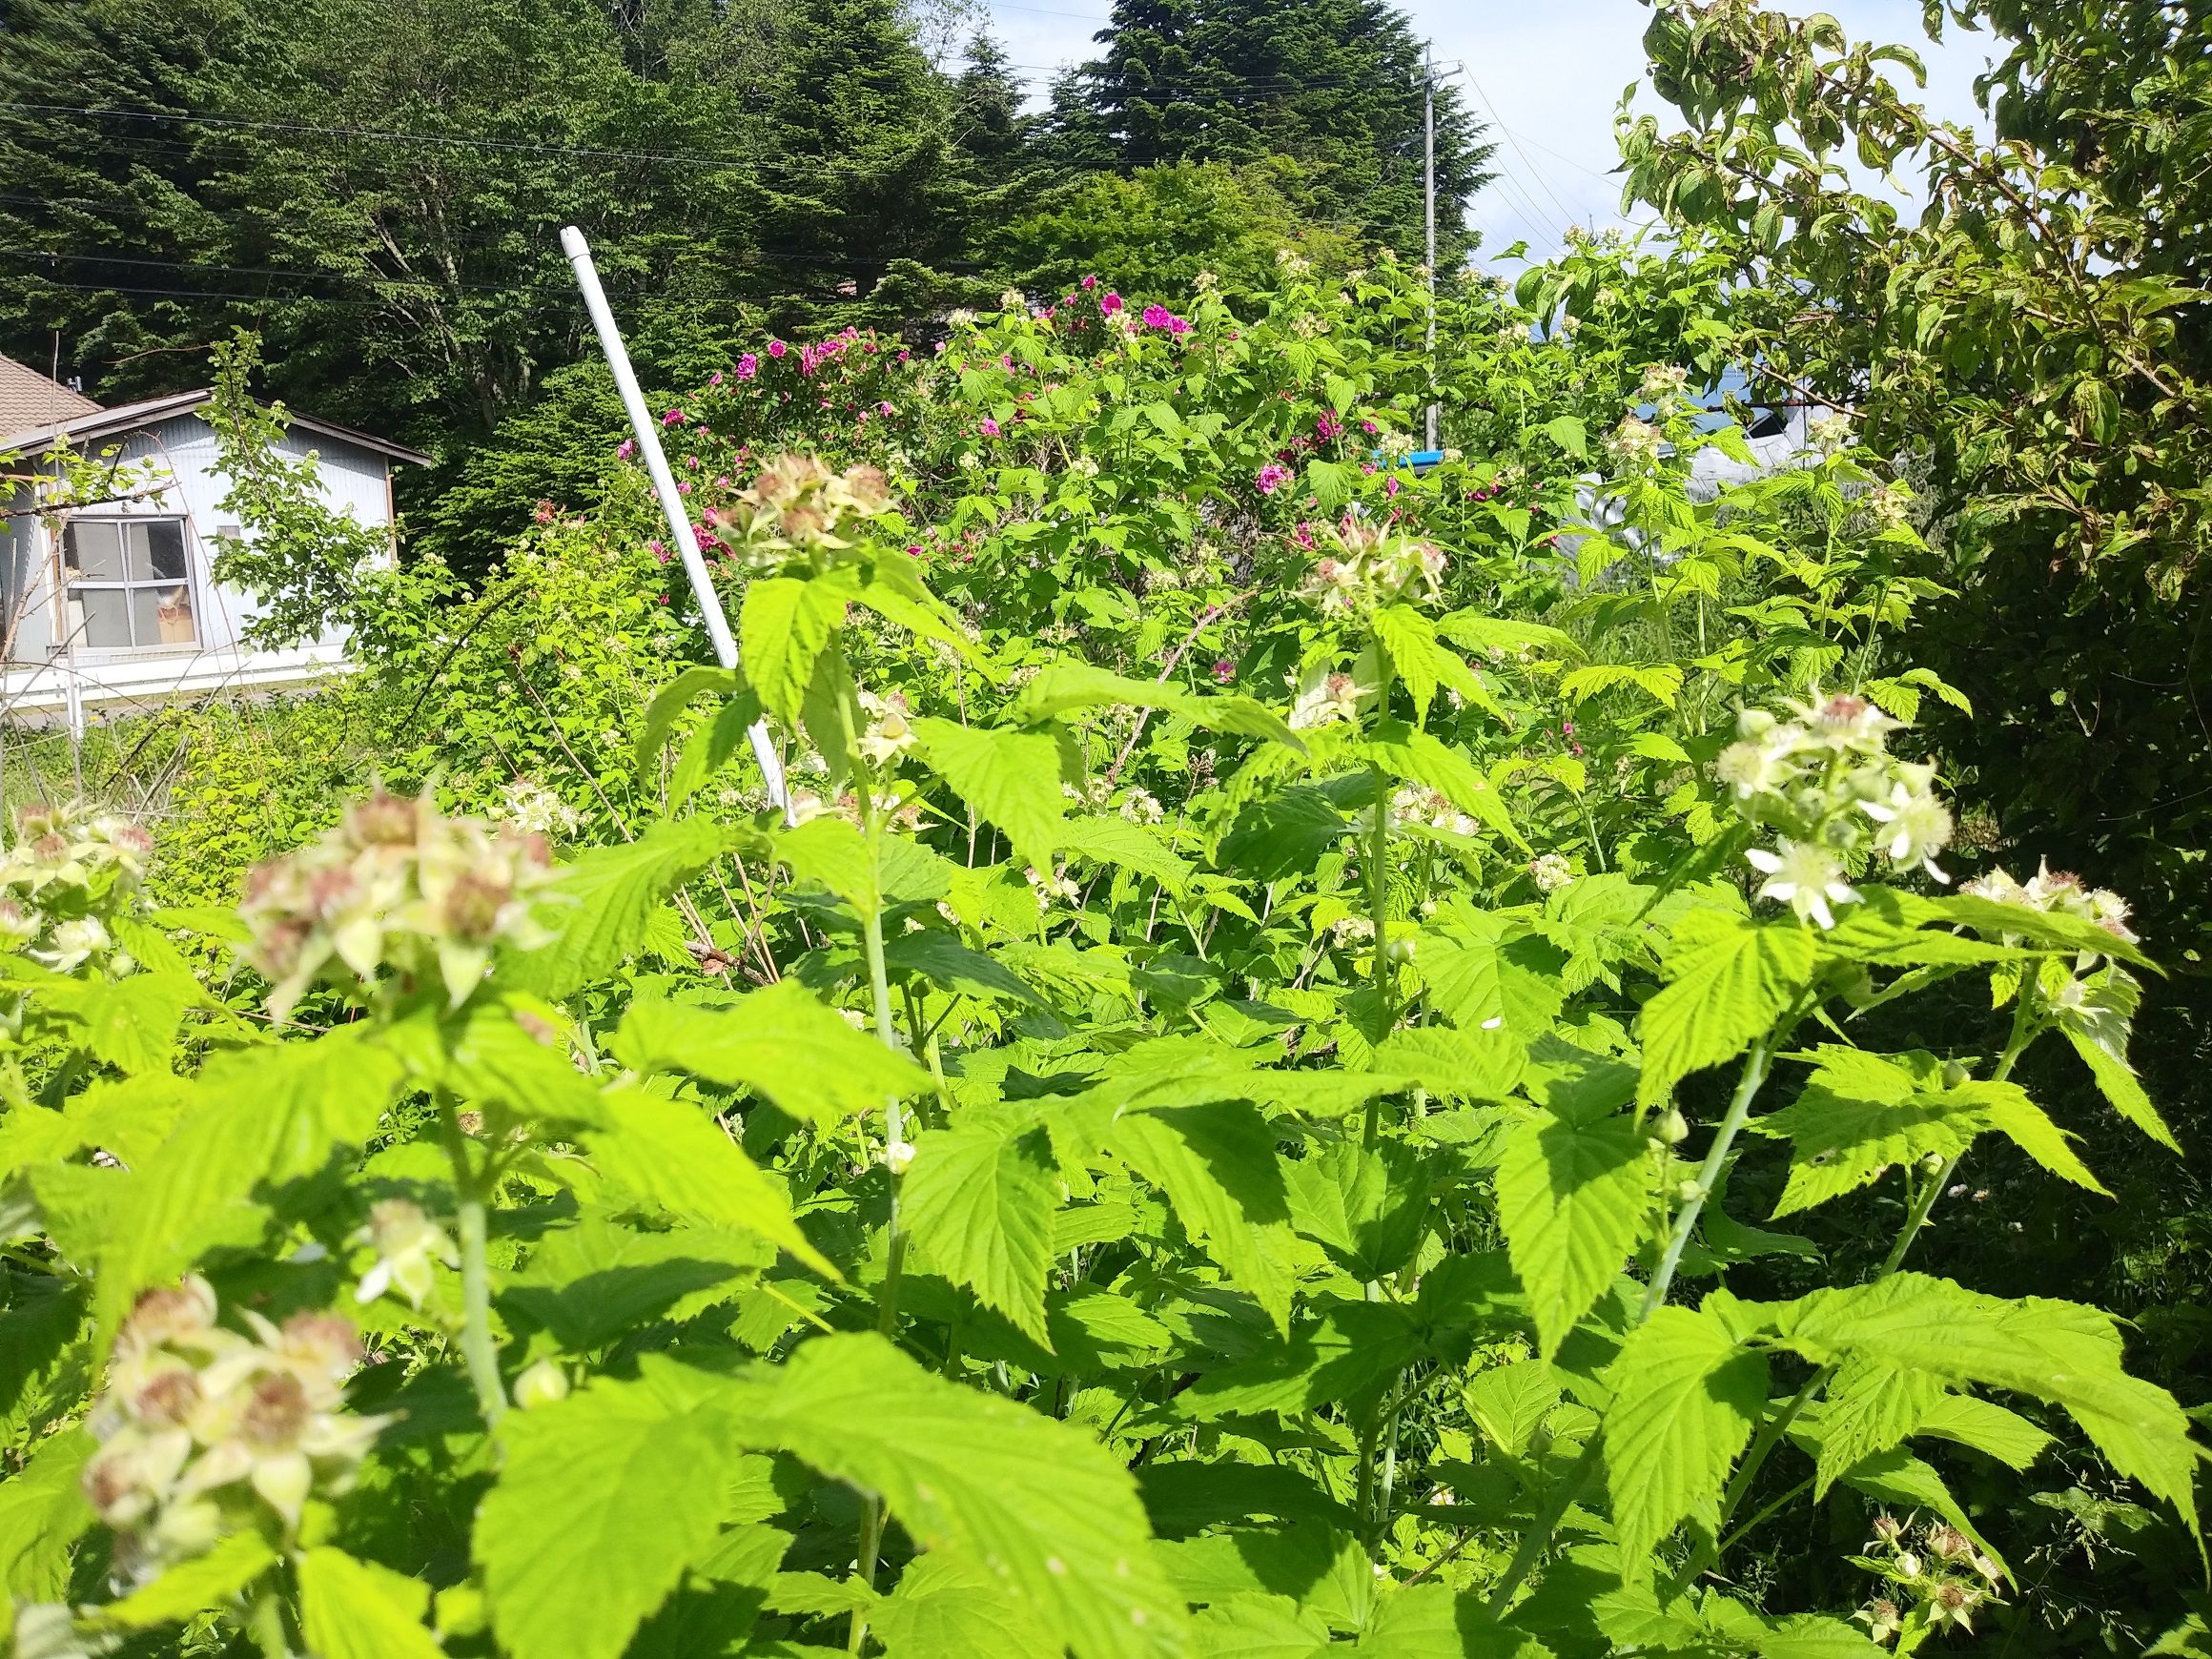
[{"x": 1513, "y": 139}]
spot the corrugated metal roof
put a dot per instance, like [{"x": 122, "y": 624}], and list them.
[
  {"x": 96, "y": 423},
  {"x": 28, "y": 399}
]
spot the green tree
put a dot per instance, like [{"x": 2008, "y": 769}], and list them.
[{"x": 1336, "y": 86}]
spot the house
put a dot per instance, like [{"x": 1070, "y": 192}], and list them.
[{"x": 115, "y": 608}]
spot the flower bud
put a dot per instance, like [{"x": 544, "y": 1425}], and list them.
[
  {"x": 1673, "y": 1128},
  {"x": 542, "y": 1384},
  {"x": 1954, "y": 1074}
]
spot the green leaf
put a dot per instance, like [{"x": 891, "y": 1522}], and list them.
[
  {"x": 615, "y": 892},
  {"x": 1510, "y": 1402},
  {"x": 1568, "y": 432},
  {"x": 675, "y": 1155},
  {"x": 131, "y": 1023},
  {"x": 1462, "y": 1065},
  {"x": 1050, "y": 1515},
  {"x": 1727, "y": 982},
  {"x": 603, "y": 1499},
  {"x": 262, "y": 1120},
  {"x": 710, "y": 748},
  {"x": 1487, "y": 975},
  {"x": 1366, "y": 1206},
  {"x": 935, "y": 954},
  {"x": 1411, "y": 638},
  {"x": 1428, "y": 1620},
  {"x": 356, "y": 1609},
  {"x": 1062, "y": 687},
  {"x": 2057, "y": 1351},
  {"x": 947, "y": 1609},
  {"x": 785, "y": 625},
  {"x": 978, "y": 1202},
  {"x": 834, "y": 852},
  {"x": 670, "y": 702},
  {"x": 1685, "y": 1398},
  {"x": 42, "y": 1514},
  {"x": 2122, "y": 1089},
  {"x": 1868, "y": 1408},
  {"x": 591, "y": 1282},
  {"x": 1573, "y": 1195},
  {"x": 193, "y": 1587},
  {"x": 781, "y": 1040},
  {"x": 1219, "y": 1169},
  {"x": 1013, "y": 778},
  {"x": 1117, "y": 841},
  {"x": 1429, "y": 760}
]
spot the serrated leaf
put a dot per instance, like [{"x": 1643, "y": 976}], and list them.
[
  {"x": 1727, "y": 982},
  {"x": 783, "y": 629},
  {"x": 781, "y": 1040},
  {"x": 2057, "y": 1351},
  {"x": 675, "y": 1155},
  {"x": 356, "y": 1609},
  {"x": 131, "y": 1023},
  {"x": 834, "y": 852},
  {"x": 1572, "y": 1197},
  {"x": 1053, "y": 1518},
  {"x": 195, "y": 1584},
  {"x": 43, "y": 1511},
  {"x": 978, "y": 1202},
  {"x": 671, "y": 701},
  {"x": 1218, "y": 1167},
  {"x": 1685, "y": 1398},
  {"x": 1062, "y": 687},
  {"x": 709, "y": 749},
  {"x": 937, "y": 956},
  {"x": 1869, "y": 1407},
  {"x": 1117, "y": 841},
  {"x": 1485, "y": 975},
  {"x": 1010, "y": 777},
  {"x": 2116, "y": 1081},
  {"x": 1462, "y": 1065},
  {"x": 601, "y": 1501},
  {"x": 613, "y": 895}
]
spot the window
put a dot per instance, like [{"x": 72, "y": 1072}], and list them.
[{"x": 128, "y": 583}]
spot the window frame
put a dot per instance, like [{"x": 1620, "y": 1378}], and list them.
[{"x": 67, "y": 584}]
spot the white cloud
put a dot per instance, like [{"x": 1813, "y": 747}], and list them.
[{"x": 1546, "y": 76}]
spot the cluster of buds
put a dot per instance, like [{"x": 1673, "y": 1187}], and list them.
[
  {"x": 396, "y": 884},
  {"x": 1427, "y": 808},
  {"x": 410, "y": 1247},
  {"x": 1142, "y": 806},
  {"x": 1665, "y": 385},
  {"x": 65, "y": 879},
  {"x": 1826, "y": 783},
  {"x": 1366, "y": 565},
  {"x": 201, "y": 1428},
  {"x": 1830, "y": 432},
  {"x": 1053, "y": 887},
  {"x": 1551, "y": 871},
  {"x": 798, "y": 505},
  {"x": 535, "y": 810},
  {"x": 1636, "y": 442},
  {"x": 1933, "y": 1582},
  {"x": 2057, "y": 892},
  {"x": 1324, "y": 695}
]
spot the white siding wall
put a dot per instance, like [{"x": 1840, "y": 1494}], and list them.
[{"x": 184, "y": 448}]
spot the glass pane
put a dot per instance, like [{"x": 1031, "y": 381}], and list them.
[
  {"x": 163, "y": 616},
  {"x": 165, "y": 550},
  {"x": 107, "y": 615},
  {"x": 93, "y": 548}
]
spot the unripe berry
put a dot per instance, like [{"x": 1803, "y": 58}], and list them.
[
  {"x": 542, "y": 1384},
  {"x": 1673, "y": 1128}
]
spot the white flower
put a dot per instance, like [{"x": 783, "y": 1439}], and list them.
[
  {"x": 1326, "y": 695},
  {"x": 1916, "y": 827},
  {"x": 1846, "y": 722},
  {"x": 1349, "y": 931},
  {"x": 1760, "y": 765},
  {"x": 1830, "y": 432},
  {"x": 1143, "y": 807},
  {"x": 1550, "y": 872},
  {"x": 1805, "y": 876},
  {"x": 1050, "y": 886},
  {"x": 74, "y": 943},
  {"x": 407, "y": 1243},
  {"x": 889, "y": 734},
  {"x": 1636, "y": 442}
]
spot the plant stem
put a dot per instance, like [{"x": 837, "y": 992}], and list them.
[
  {"x": 1389, "y": 1481},
  {"x": 1708, "y": 1174},
  {"x": 478, "y": 1352},
  {"x": 265, "y": 1622},
  {"x": 1555, "y": 1509},
  {"x": 1378, "y": 899}
]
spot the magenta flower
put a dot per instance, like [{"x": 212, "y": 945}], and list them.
[
  {"x": 1111, "y": 305},
  {"x": 1178, "y": 325},
  {"x": 624, "y": 450},
  {"x": 1270, "y": 478},
  {"x": 988, "y": 427},
  {"x": 1390, "y": 488},
  {"x": 1224, "y": 671},
  {"x": 1328, "y": 425},
  {"x": 883, "y": 409},
  {"x": 748, "y": 366},
  {"x": 1157, "y": 315},
  {"x": 715, "y": 378},
  {"x": 673, "y": 417},
  {"x": 1369, "y": 427},
  {"x": 777, "y": 348},
  {"x": 1089, "y": 283}
]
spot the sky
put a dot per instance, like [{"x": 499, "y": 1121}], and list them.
[{"x": 1545, "y": 77}]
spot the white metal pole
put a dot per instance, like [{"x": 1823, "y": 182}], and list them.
[
  {"x": 1428, "y": 194},
  {"x": 647, "y": 433}
]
